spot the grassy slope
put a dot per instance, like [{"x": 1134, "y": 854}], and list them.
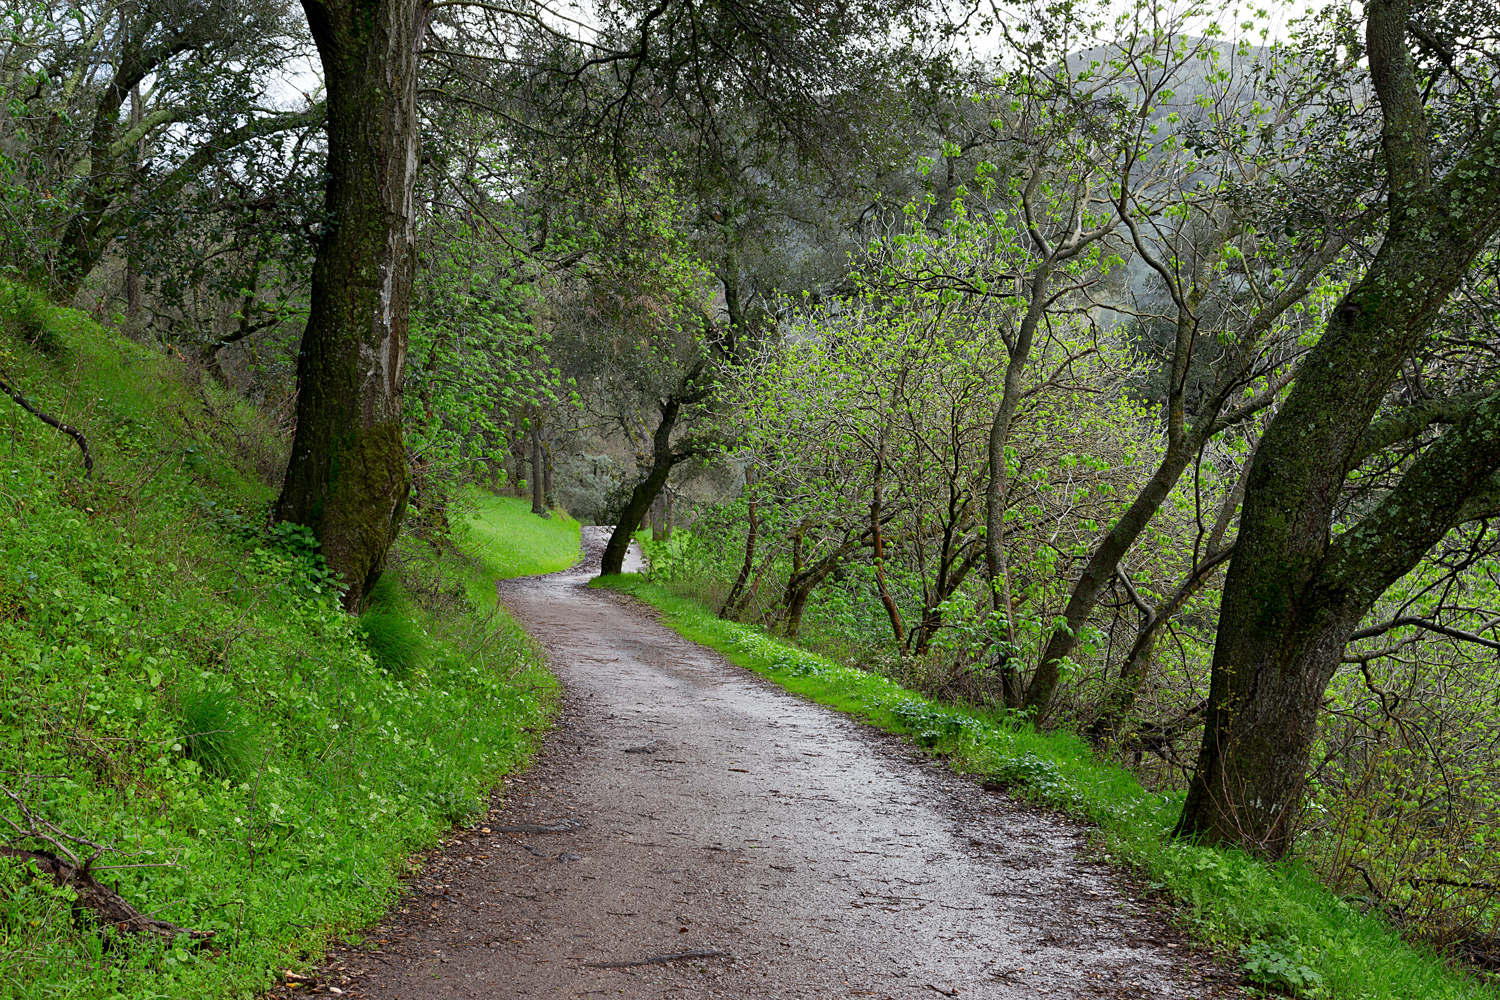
[
  {"x": 1291, "y": 933},
  {"x": 515, "y": 542},
  {"x": 179, "y": 683}
]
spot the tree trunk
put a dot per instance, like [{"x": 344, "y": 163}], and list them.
[
  {"x": 1294, "y": 594},
  {"x": 518, "y": 465},
  {"x": 1137, "y": 665},
  {"x": 803, "y": 581},
  {"x": 877, "y": 541},
  {"x": 661, "y": 528},
  {"x": 548, "y": 494},
  {"x": 1292, "y": 600},
  {"x": 347, "y": 477},
  {"x": 538, "y": 473},
  {"x": 644, "y": 494},
  {"x": 997, "y": 489},
  {"x": 750, "y": 532},
  {"x": 1097, "y": 573},
  {"x": 132, "y": 269}
]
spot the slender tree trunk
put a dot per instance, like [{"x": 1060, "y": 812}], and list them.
[
  {"x": 877, "y": 539},
  {"x": 645, "y": 492},
  {"x": 1100, "y": 569},
  {"x": 662, "y": 530},
  {"x": 548, "y": 494},
  {"x": 132, "y": 268},
  {"x": 347, "y": 477},
  {"x": 1137, "y": 665},
  {"x": 1295, "y": 593},
  {"x": 795, "y": 606},
  {"x": 1138, "y": 661},
  {"x": 997, "y": 490},
  {"x": 766, "y": 562},
  {"x": 518, "y": 465},
  {"x": 750, "y": 532},
  {"x": 805, "y": 579},
  {"x": 538, "y": 494}
]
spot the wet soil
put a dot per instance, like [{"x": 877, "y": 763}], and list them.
[{"x": 690, "y": 830}]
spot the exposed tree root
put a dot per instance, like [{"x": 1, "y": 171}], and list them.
[{"x": 106, "y": 906}]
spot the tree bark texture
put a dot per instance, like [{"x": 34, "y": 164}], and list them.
[
  {"x": 1294, "y": 593},
  {"x": 347, "y": 477}
]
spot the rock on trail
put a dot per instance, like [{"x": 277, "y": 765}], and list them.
[{"x": 690, "y": 830}]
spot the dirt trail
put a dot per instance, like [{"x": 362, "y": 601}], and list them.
[{"x": 692, "y": 831}]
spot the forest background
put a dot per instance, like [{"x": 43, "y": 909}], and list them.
[{"x": 1131, "y": 372}]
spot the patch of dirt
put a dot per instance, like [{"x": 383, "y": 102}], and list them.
[{"x": 690, "y": 830}]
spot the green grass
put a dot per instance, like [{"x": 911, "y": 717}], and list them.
[
  {"x": 1290, "y": 934},
  {"x": 391, "y": 635},
  {"x": 217, "y": 732},
  {"x": 513, "y": 541},
  {"x": 180, "y": 683}
]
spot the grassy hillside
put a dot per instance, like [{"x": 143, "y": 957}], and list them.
[
  {"x": 178, "y": 684},
  {"x": 513, "y": 541}
]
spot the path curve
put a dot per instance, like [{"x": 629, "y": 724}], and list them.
[{"x": 685, "y": 807}]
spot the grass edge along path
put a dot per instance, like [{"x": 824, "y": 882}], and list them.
[{"x": 1292, "y": 935}]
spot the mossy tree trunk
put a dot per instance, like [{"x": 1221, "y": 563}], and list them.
[
  {"x": 347, "y": 477},
  {"x": 1294, "y": 594}
]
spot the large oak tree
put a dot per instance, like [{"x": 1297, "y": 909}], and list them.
[
  {"x": 347, "y": 477},
  {"x": 1296, "y": 590}
]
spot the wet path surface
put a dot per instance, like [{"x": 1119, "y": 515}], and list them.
[{"x": 692, "y": 831}]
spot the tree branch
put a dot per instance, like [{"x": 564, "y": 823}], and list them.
[{"x": 50, "y": 421}]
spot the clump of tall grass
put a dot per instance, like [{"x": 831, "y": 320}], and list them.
[
  {"x": 389, "y": 632},
  {"x": 215, "y": 733}
]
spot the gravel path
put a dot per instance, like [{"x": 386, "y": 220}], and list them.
[{"x": 690, "y": 830}]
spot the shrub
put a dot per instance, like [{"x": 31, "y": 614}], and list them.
[{"x": 28, "y": 316}]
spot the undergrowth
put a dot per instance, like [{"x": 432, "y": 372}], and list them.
[
  {"x": 1292, "y": 935},
  {"x": 179, "y": 684}
]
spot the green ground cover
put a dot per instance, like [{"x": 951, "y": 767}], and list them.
[
  {"x": 1291, "y": 935},
  {"x": 178, "y": 682},
  {"x": 512, "y": 541}
]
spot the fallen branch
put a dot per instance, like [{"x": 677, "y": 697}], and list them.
[
  {"x": 50, "y": 421},
  {"x": 65, "y": 868},
  {"x": 108, "y": 907}
]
